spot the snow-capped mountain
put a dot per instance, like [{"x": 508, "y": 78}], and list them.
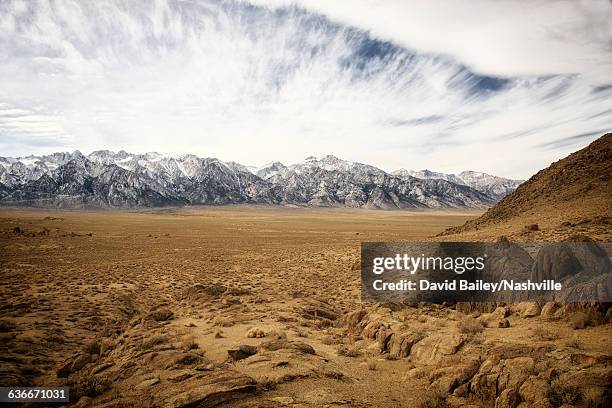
[
  {"x": 108, "y": 179},
  {"x": 271, "y": 169},
  {"x": 493, "y": 186}
]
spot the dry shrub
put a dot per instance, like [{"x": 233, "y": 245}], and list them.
[
  {"x": 580, "y": 320},
  {"x": 470, "y": 325},
  {"x": 190, "y": 344},
  {"x": 89, "y": 387},
  {"x": 574, "y": 343},
  {"x": 6, "y": 326},
  {"x": 371, "y": 364},
  {"x": 328, "y": 340},
  {"x": 267, "y": 383},
  {"x": 93, "y": 347},
  {"x": 596, "y": 397},
  {"x": 160, "y": 315},
  {"x": 222, "y": 321},
  {"x": 153, "y": 341},
  {"x": 541, "y": 334},
  {"x": 188, "y": 359},
  {"x": 277, "y": 335},
  {"x": 435, "y": 399},
  {"x": 238, "y": 291},
  {"x": 414, "y": 372},
  {"x": 336, "y": 375},
  {"x": 564, "y": 393},
  {"x": 348, "y": 352},
  {"x": 300, "y": 333}
]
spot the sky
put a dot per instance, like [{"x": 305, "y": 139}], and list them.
[{"x": 505, "y": 87}]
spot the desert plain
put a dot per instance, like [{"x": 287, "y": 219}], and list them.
[{"x": 260, "y": 306}]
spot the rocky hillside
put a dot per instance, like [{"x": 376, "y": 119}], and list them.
[
  {"x": 571, "y": 195},
  {"x": 109, "y": 179}
]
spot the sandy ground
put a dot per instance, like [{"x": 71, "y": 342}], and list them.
[{"x": 240, "y": 306}]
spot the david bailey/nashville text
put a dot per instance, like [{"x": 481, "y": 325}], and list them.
[{"x": 465, "y": 285}]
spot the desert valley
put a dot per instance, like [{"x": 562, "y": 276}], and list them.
[
  {"x": 259, "y": 306},
  {"x": 306, "y": 204}
]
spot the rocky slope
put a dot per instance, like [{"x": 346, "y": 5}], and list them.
[
  {"x": 573, "y": 195},
  {"x": 108, "y": 179}
]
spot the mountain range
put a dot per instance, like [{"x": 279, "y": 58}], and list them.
[{"x": 108, "y": 179}]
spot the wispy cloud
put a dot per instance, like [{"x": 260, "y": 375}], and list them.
[
  {"x": 256, "y": 83},
  {"x": 26, "y": 129},
  {"x": 500, "y": 38}
]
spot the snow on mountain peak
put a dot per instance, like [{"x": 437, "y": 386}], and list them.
[
  {"x": 315, "y": 181},
  {"x": 494, "y": 186}
]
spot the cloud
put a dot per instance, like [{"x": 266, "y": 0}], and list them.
[
  {"x": 500, "y": 38},
  {"x": 27, "y": 129},
  {"x": 254, "y": 84}
]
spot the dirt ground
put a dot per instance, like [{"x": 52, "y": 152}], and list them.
[{"x": 238, "y": 306}]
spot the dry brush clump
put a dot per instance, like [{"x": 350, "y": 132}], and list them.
[
  {"x": 88, "y": 387},
  {"x": 154, "y": 340},
  {"x": 469, "y": 325},
  {"x": 542, "y": 334},
  {"x": 434, "y": 399},
  {"x": 580, "y": 320},
  {"x": 348, "y": 351},
  {"x": 160, "y": 315},
  {"x": 6, "y": 326},
  {"x": 574, "y": 343},
  {"x": 93, "y": 347},
  {"x": 564, "y": 393},
  {"x": 222, "y": 321},
  {"x": 371, "y": 364},
  {"x": 190, "y": 344}
]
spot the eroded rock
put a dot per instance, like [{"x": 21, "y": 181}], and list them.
[{"x": 433, "y": 348}]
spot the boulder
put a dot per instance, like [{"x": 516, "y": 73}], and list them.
[
  {"x": 274, "y": 345},
  {"x": 495, "y": 318},
  {"x": 371, "y": 329},
  {"x": 73, "y": 364},
  {"x": 241, "y": 352},
  {"x": 514, "y": 372},
  {"x": 548, "y": 310},
  {"x": 215, "y": 389},
  {"x": 433, "y": 348},
  {"x": 503, "y": 324},
  {"x": 536, "y": 392},
  {"x": 400, "y": 344},
  {"x": 255, "y": 332},
  {"x": 508, "y": 398},
  {"x": 353, "y": 319},
  {"x": 527, "y": 309},
  {"x": 446, "y": 379}
]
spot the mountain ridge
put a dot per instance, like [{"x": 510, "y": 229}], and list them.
[
  {"x": 496, "y": 187},
  {"x": 120, "y": 179}
]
